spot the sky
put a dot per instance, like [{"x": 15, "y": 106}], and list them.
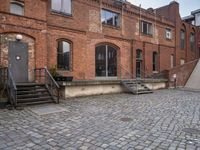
[{"x": 186, "y": 6}]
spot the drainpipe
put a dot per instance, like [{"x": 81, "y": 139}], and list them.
[{"x": 132, "y": 60}]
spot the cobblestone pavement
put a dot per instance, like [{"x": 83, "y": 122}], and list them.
[{"x": 111, "y": 122}]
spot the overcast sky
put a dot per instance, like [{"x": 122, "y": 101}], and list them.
[{"x": 186, "y": 6}]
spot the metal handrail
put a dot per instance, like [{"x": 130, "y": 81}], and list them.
[
  {"x": 132, "y": 76},
  {"x": 12, "y": 88},
  {"x": 12, "y": 79},
  {"x": 42, "y": 75},
  {"x": 49, "y": 74},
  {"x": 7, "y": 81}
]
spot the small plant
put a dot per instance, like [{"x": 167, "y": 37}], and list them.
[{"x": 53, "y": 70}]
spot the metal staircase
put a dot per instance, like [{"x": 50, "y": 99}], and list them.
[
  {"x": 44, "y": 89},
  {"x": 136, "y": 87}
]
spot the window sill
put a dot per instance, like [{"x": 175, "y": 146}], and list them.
[
  {"x": 64, "y": 71},
  {"x": 18, "y": 15},
  {"x": 168, "y": 39},
  {"x": 155, "y": 72},
  {"x": 147, "y": 35},
  {"x": 110, "y": 26},
  {"x": 57, "y": 13}
]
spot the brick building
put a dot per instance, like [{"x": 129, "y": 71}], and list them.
[{"x": 94, "y": 39}]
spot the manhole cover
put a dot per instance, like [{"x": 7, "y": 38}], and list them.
[
  {"x": 126, "y": 119},
  {"x": 191, "y": 130}
]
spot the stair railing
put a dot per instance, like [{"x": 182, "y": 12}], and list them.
[
  {"x": 133, "y": 76},
  {"x": 130, "y": 76},
  {"x": 42, "y": 75},
  {"x": 12, "y": 88}
]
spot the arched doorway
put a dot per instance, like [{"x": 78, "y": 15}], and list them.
[
  {"x": 106, "y": 61},
  {"x": 18, "y": 55}
]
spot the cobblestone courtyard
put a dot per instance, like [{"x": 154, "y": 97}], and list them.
[{"x": 161, "y": 120}]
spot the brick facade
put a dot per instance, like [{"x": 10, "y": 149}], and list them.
[
  {"x": 84, "y": 30},
  {"x": 182, "y": 72}
]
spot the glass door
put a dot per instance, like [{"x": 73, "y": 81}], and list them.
[{"x": 106, "y": 61}]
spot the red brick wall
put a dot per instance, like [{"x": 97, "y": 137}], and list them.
[
  {"x": 171, "y": 12},
  {"x": 165, "y": 57},
  {"x": 85, "y": 31},
  {"x": 182, "y": 72}
]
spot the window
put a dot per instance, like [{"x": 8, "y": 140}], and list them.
[
  {"x": 110, "y": 18},
  {"x": 106, "y": 61},
  {"x": 192, "y": 42},
  {"x": 62, "y": 6},
  {"x": 172, "y": 61},
  {"x": 139, "y": 54},
  {"x": 155, "y": 61},
  {"x": 168, "y": 34},
  {"x": 63, "y": 55},
  {"x": 182, "y": 40},
  {"x": 182, "y": 61},
  {"x": 146, "y": 28},
  {"x": 17, "y": 8}
]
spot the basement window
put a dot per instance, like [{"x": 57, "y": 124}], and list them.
[
  {"x": 62, "y": 6},
  {"x": 17, "y": 8},
  {"x": 146, "y": 28},
  {"x": 110, "y": 18}
]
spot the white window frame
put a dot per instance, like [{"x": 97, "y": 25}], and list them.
[
  {"x": 168, "y": 34},
  {"x": 17, "y": 3},
  {"x": 149, "y": 28},
  {"x": 62, "y": 9}
]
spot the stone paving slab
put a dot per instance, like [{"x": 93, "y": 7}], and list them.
[
  {"x": 47, "y": 109},
  {"x": 155, "y": 121}
]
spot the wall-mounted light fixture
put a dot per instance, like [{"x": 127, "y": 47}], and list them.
[{"x": 19, "y": 37}]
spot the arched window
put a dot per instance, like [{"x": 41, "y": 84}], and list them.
[
  {"x": 106, "y": 61},
  {"x": 155, "y": 61},
  {"x": 182, "y": 39},
  {"x": 64, "y": 55},
  {"x": 17, "y": 8},
  {"x": 192, "y": 41}
]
